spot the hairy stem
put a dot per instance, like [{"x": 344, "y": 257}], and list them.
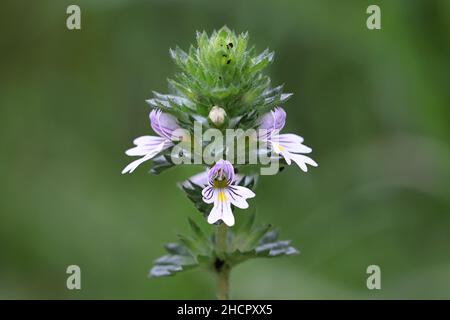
[{"x": 221, "y": 266}]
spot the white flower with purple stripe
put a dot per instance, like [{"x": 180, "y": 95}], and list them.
[
  {"x": 289, "y": 145},
  {"x": 223, "y": 192},
  {"x": 149, "y": 146}
]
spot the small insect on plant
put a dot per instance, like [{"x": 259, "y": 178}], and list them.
[{"x": 222, "y": 113}]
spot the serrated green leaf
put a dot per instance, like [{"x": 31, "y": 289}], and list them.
[
  {"x": 254, "y": 237},
  {"x": 176, "y": 249},
  {"x": 178, "y": 259},
  {"x": 189, "y": 252},
  {"x": 164, "y": 270},
  {"x": 190, "y": 244},
  {"x": 197, "y": 231},
  {"x": 270, "y": 236},
  {"x": 175, "y": 260}
]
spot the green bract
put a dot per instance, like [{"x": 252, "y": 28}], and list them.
[
  {"x": 246, "y": 242},
  {"x": 221, "y": 70}
]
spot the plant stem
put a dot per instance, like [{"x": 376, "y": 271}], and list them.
[
  {"x": 223, "y": 283},
  {"x": 222, "y": 268}
]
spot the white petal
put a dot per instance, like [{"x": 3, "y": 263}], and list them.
[
  {"x": 238, "y": 196},
  {"x": 236, "y": 199},
  {"x": 288, "y": 142},
  {"x": 288, "y": 137},
  {"x": 227, "y": 214},
  {"x": 215, "y": 215},
  {"x": 276, "y": 147},
  {"x": 147, "y": 144},
  {"x": 221, "y": 210},
  {"x": 244, "y": 192},
  {"x": 148, "y": 140},
  {"x": 139, "y": 151},
  {"x": 133, "y": 165},
  {"x": 302, "y": 160},
  {"x": 151, "y": 152},
  {"x": 295, "y": 147},
  {"x": 286, "y": 156}
]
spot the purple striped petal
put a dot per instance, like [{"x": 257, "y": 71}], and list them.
[
  {"x": 208, "y": 194},
  {"x": 273, "y": 120},
  {"x": 222, "y": 170},
  {"x": 163, "y": 124}
]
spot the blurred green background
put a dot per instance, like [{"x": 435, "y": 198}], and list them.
[{"x": 373, "y": 105}]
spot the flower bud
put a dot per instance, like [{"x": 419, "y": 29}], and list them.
[{"x": 217, "y": 115}]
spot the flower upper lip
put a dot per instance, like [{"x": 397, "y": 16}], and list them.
[{"x": 163, "y": 124}]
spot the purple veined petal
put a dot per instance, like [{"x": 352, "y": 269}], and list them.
[
  {"x": 228, "y": 171},
  {"x": 244, "y": 192},
  {"x": 167, "y": 124},
  {"x": 273, "y": 120},
  {"x": 280, "y": 118},
  {"x": 209, "y": 194},
  {"x": 266, "y": 121},
  {"x": 264, "y": 134},
  {"x": 302, "y": 161},
  {"x": 238, "y": 196},
  {"x": 163, "y": 123},
  {"x": 153, "y": 120},
  {"x": 212, "y": 174},
  {"x": 214, "y": 171},
  {"x": 222, "y": 170}
]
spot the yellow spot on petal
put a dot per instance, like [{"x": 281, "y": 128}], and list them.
[
  {"x": 277, "y": 147},
  {"x": 222, "y": 196}
]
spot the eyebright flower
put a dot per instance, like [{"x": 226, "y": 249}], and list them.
[
  {"x": 223, "y": 192},
  {"x": 164, "y": 125},
  {"x": 289, "y": 145}
]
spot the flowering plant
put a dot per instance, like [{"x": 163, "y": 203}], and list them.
[{"x": 220, "y": 90}]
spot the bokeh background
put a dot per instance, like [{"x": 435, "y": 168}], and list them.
[{"x": 374, "y": 106}]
